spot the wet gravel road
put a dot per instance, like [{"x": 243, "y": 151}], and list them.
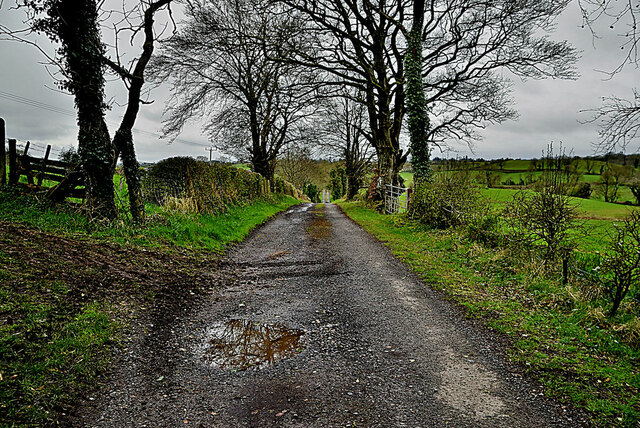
[{"x": 378, "y": 348}]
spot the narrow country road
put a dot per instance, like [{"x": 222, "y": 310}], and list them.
[{"x": 355, "y": 340}]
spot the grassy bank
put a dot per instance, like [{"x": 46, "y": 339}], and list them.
[
  {"x": 165, "y": 229},
  {"x": 69, "y": 286},
  {"x": 560, "y": 337}
]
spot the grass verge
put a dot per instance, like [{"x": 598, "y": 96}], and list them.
[
  {"x": 165, "y": 228},
  {"x": 68, "y": 287},
  {"x": 562, "y": 340}
]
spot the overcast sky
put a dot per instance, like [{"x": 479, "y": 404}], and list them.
[{"x": 549, "y": 109}]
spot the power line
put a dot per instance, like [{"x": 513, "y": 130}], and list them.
[
  {"x": 48, "y": 107},
  {"x": 36, "y": 104}
]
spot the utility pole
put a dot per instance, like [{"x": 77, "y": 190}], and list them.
[{"x": 210, "y": 150}]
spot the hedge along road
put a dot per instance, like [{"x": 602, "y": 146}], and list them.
[{"x": 312, "y": 322}]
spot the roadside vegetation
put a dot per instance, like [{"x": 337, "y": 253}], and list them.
[
  {"x": 70, "y": 285},
  {"x": 558, "y": 275},
  {"x": 556, "y": 331}
]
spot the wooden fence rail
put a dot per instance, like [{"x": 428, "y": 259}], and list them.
[{"x": 68, "y": 177}]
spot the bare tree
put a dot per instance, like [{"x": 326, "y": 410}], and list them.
[
  {"x": 611, "y": 179},
  {"x": 619, "y": 121},
  {"x": 296, "y": 166},
  {"x": 359, "y": 46},
  {"x": 615, "y": 14},
  {"x": 134, "y": 78},
  {"x": 589, "y": 164},
  {"x": 618, "y": 118},
  {"x": 347, "y": 136},
  {"x": 622, "y": 260},
  {"x": 82, "y": 61},
  {"x": 219, "y": 69},
  {"x": 634, "y": 187},
  {"x": 465, "y": 46},
  {"x": 546, "y": 218}
]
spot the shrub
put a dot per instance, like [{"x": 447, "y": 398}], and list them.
[
  {"x": 621, "y": 263},
  {"x": 172, "y": 169},
  {"x": 491, "y": 178},
  {"x": 485, "y": 229},
  {"x": 69, "y": 155},
  {"x": 312, "y": 191},
  {"x": 583, "y": 190},
  {"x": 450, "y": 199},
  {"x": 543, "y": 218},
  {"x": 184, "y": 183},
  {"x": 216, "y": 186}
]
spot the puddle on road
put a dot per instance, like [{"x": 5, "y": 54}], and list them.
[
  {"x": 319, "y": 227},
  {"x": 242, "y": 344},
  {"x": 299, "y": 209}
]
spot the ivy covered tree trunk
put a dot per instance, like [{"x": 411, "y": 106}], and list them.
[
  {"x": 353, "y": 172},
  {"x": 352, "y": 189},
  {"x": 416, "y": 106},
  {"x": 123, "y": 142},
  {"x": 96, "y": 153},
  {"x": 75, "y": 25}
]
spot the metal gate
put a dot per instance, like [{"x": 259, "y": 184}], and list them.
[{"x": 396, "y": 199}]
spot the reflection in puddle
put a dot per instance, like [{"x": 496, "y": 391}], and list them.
[{"x": 241, "y": 344}]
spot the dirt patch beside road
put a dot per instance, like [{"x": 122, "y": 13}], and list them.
[{"x": 61, "y": 299}]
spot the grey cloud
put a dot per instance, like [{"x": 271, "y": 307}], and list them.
[{"x": 549, "y": 110}]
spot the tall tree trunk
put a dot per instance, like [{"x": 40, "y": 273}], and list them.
[
  {"x": 79, "y": 33},
  {"x": 96, "y": 152},
  {"x": 353, "y": 179},
  {"x": 350, "y": 170},
  {"x": 123, "y": 140},
  {"x": 386, "y": 164},
  {"x": 378, "y": 98},
  {"x": 264, "y": 166},
  {"x": 418, "y": 122}
]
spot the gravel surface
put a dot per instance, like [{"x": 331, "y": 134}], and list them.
[{"x": 379, "y": 348}]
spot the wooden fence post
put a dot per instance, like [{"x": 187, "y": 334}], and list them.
[
  {"x": 13, "y": 164},
  {"x": 44, "y": 165},
  {"x": 3, "y": 155},
  {"x": 26, "y": 164}
]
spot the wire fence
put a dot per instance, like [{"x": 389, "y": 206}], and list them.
[{"x": 38, "y": 148}]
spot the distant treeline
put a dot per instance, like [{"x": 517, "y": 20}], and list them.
[{"x": 614, "y": 158}]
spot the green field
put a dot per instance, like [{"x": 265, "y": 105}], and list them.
[
  {"x": 588, "y": 208},
  {"x": 597, "y": 215}
]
